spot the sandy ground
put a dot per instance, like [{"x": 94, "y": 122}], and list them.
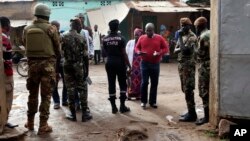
[{"x": 105, "y": 125}]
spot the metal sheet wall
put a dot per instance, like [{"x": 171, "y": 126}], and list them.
[{"x": 234, "y": 58}]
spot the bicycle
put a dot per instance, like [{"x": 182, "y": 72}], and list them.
[{"x": 22, "y": 67}]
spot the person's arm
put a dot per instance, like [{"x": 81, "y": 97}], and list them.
[
  {"x": 56, "y": 46},
  {"x": 91, "y": 47},
  {"x": 85, "y": 61},
  {"x": 125, "y": 56}
]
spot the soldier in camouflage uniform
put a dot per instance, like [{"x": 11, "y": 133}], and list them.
[
  {"x": 76, "y": 56},
  {"x": 42, "y": 48},
  {"x": 185, "y": 48},
  {"x": 203, "y": 59}
]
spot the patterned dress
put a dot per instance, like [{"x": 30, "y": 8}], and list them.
[{"x": 134, "y": 79}]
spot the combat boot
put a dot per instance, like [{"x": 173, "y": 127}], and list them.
[
  {"x": 205, "y": 119},
  {"x": 72, "y": 115},
  {"x": 123, "y": 107},
  {"x": 189, "y": 117},
  {"x": 86, "y": 115},
  {"x": 44, "y": 129},
  {"x": 113, "y": 105},
  {"x": 30, "y": 123}
]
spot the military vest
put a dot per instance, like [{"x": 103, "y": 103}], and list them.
[{"x": 38, "y": 42}]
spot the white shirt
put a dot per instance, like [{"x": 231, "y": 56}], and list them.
[
  {"x": 85, "y": 34},
  {"x": 96, "y": 40},
  {"x": 130, "y": 50}
]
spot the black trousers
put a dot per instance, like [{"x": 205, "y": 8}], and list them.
[
  {"x": 97, "y": 56},
  {"x": 116, "y": 68}
]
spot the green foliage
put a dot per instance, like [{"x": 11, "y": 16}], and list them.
[{"x": 210, "y": 133}]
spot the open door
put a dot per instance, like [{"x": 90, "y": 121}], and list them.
[{"x": 149, "y": 19}]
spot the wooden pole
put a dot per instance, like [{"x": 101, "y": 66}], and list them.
[{"x": 3, "y": 108}]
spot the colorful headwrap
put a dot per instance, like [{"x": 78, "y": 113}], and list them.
[{"x": 138, "y": 31}]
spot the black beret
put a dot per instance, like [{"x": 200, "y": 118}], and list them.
[{"x": 114, "y": 22}]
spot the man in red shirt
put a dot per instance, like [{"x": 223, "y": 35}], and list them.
[
  {"x": 151, "y": 47},
  {"x": 7, "y": 56}
]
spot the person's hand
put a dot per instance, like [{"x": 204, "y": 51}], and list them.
[
  {"x": 156, "y": 53},
  {"x": 128, "y": 71}
]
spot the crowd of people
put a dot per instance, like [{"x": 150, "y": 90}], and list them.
[{"x": 52, "y": 55}]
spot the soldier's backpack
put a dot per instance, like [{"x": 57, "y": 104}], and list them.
[{"x": 38, "y": 43}]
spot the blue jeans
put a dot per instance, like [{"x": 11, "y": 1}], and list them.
[
  {"x": 55, "y": 94},
  {"x": 152, "y": 71}
]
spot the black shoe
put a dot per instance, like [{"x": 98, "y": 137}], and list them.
[
  {"x": 184, "y": 115},
  {"x": 70, "y": 117},
  {"x": 86, "y": 115},
  {"x": 124, "y": 109},
  {"x": 9, "y": 125},
  {"x": 114, "y": 110},
  {"x": 201, "y": 121},
  {"x": 190, "y": 117},
  {"x": 154, "y": 106}
]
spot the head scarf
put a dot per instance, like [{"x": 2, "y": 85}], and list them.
[{"x": 138, "y": 31}]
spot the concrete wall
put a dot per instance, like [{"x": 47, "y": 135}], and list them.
[{"x": 234, "y": 90}]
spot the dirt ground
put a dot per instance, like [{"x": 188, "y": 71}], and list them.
[{"x": 158, "y": 124}]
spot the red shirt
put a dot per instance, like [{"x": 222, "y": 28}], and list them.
[
  {"x": 149, "y": 46},
  {"x": 7, "y": 56}
]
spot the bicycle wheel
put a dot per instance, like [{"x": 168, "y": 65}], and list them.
[{"x": 22, "y": 68}]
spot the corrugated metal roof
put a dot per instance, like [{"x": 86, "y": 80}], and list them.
[
  {"x": 162, "y": 6},
  {"x": 16, "y": 23}
]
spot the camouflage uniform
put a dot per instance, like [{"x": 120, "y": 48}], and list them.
[
  {"x": 41, "y": 64},
  {"x": 186, "y": 67},
  {"x": 203, "y": 59},
  {"x": 75, "y": 51}
]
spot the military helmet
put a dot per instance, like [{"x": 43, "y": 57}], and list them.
[{"x": 42, "y": 10}]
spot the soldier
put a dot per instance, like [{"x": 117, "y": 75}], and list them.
[
  {"x": 203, "y": 59},
  {"x": 114, "y": 44},
  {"x": 185, "y": 48},
  {"x": 86, "y": 33},
  {"x": 42, "y": 49},
  {"x": 76, "y": 56}
]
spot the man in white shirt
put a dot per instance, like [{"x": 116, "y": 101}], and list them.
[{"x": 97, "y": 45}]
